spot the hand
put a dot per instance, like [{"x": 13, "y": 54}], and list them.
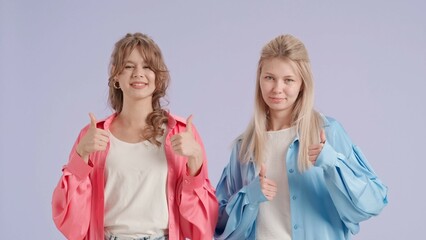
[
  {"x": 95, "y": 139},
  {"x": 184, "y": 144},
  {"x": 315, "y": 149},
  {"x": 268, "y": 187}
]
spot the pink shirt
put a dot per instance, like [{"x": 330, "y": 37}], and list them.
[{"x": 78, "y": 199}]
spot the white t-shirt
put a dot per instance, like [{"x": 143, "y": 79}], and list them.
[
  {"x": 135, "y": 189},
  {"x": 274, "y": 219}
]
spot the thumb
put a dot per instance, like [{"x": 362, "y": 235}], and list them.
[
  {"x": 92, "y": 120},
  {"x": 322, "y": 136},
  {"x": 189, "y": 124},
  {"x": 262, "y": 172}
]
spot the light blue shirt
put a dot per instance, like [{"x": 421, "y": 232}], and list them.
[{"x": 327, "y": 202}]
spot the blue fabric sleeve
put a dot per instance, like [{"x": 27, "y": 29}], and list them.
[
  {"x": 238, "y": 204},
  {"x": 354, "y": 188}
]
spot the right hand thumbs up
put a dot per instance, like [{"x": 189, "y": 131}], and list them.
[
  {"x": 92, "y": 120},
  {"x": 95, "y": 139},
  {"x": 268, "y": 186}
]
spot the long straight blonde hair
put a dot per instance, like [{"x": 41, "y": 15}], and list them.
[{"x": 308, "y": 122}]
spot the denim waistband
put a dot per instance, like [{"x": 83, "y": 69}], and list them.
[{"x": 112, "y": 237}]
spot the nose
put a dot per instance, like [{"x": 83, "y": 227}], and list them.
[
  {"x": 278, "y": 87},
  {"x": 137, "y": 72}
]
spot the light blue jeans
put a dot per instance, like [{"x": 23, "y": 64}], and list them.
[{"x": 112, "y": 237}]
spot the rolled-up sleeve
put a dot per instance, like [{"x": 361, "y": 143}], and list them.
[
  {"x": 238, "y": 204},
  {"x": 197, "y": 202},
  {"x": 355, "y": 189},
  {"x": 71, "y": 200}
]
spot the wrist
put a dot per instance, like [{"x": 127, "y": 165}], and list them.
[
  {"x": 194, "y": 164},
  {"x": 82, "y": 154}
]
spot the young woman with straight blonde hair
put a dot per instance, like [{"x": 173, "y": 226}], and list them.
[
  {"x": 141, "y": 173},
  {"x": 294, "y": 173}
]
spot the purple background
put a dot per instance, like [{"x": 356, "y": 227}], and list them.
[{"x": 368, "y": 59}]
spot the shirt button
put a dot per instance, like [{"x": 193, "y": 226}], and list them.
[
  {"x": 291, "y": 170},
  {"x": 291, "y": 145},
  {"x": 294, "y": 197},
  {"x": 186, "y": 181},
  {"x": 296, "y": 226}
]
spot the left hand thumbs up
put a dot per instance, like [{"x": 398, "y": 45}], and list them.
[
  {"x": 315, "y": 149},
  {"x": 184, "y": 144}
]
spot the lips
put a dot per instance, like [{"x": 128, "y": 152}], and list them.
[
  {"x": 138, "y": 84},
  {"x": 276, "y": 100}
]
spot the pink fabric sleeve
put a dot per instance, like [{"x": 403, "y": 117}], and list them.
[
  {"x": 198, "y": 206},
  {"x": 71, "y": 201}
]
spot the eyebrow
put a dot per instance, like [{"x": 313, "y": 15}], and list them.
[{"x": 268, "y": 73}]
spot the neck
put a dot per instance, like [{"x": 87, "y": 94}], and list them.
[
  {"x": 135, "y": 113},
  {"x": 279, "y": 120}
]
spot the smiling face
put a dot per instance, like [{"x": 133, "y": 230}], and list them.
[
  {"x": 137, "y": 80},
  {"x": 280, "y": 85}
]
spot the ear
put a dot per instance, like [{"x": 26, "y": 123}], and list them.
[{"x": 112, "y": 70}]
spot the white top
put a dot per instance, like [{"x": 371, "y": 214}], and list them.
[
  {"x": 135, "y": 190},
  {"x": 274, "y": 219}
]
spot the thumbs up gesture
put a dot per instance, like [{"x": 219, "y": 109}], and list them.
[
  {"x": 268, "y": 186},
  {"x": 184, "y": 144},
  {"x": 315, "y": 149},
  {"x": 95, "y": 139}
]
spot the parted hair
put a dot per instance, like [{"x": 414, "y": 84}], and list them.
[{"x": 308, "y": 122}]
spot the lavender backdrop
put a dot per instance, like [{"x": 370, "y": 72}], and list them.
[{"x": 368, "y": 59}]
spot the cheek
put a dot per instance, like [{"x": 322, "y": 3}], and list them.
[
  {"x": 123, "y": 75},
  {"x": 295, "y": 91},
  {"x": 264, "y": 88},
  {"x": 151, "y": 76},
  {"x": 264, "y": 93},
  {"x": 152, "y": 80}
]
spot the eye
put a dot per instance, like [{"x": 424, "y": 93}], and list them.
[
  {"x": 147, "y": 67},
  {"x": 288, "y": 80},
  {"x": 129, "y": 66},
  {"x": 269, "y": 78}
]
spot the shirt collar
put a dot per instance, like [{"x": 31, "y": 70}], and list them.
[{"x": 172, "y": 121}]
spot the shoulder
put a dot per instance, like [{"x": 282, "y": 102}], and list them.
[
  {"x": 327, "y": 120},
  {"x": 330, "y": 122},
  {"x": 335, "y": 131},
  {"x": 236, "y": 143},
  {"x": 178, "y": 123},
  {"x": 103, "y": 123},
  {"x": 176, "y": 119}
]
